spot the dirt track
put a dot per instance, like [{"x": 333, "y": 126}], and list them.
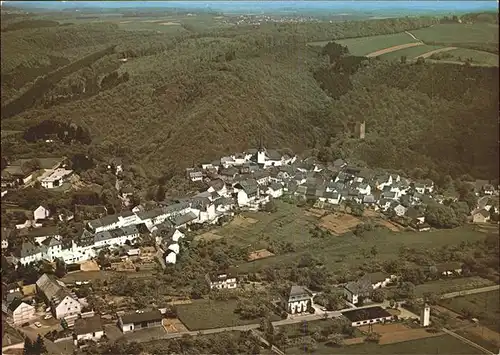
[
  {"x": 393, "y": 49},
  {"x": 428, "y": 54}
]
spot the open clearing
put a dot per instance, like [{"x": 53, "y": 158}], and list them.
[
  {"x": 206, "y": 314},
  {"x": 339, "y": 223},
  {"x": 259, "y": 254},
  {"x": 169, "y": 24},
  {"x": 365, "y": 45},
  {"x": 208, "y": 236},
  {"x": 389, "y": 225},
  {"x": 397, "y": 333},
  {"x": 393, "y": 49}
]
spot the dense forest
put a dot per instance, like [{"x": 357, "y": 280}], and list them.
[{"x": 164, "y": 101}]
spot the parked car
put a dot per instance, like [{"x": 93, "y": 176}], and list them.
[
  {"x": 27, "y": 324},
  {"x": 38, "y": 324},
  {"x": 47, "y": 316}
]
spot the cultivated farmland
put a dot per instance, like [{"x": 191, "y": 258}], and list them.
[
  {"x": 409, "y": 53},
  {"x": 485, "y": 306},
  {"x": 365, "y": 45},
  {"x": 458, "y": 33}
]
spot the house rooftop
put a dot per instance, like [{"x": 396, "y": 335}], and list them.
[
  {"x": 88, "y": 325},
  {"x": 151, "y": 316},
  {"x": 185, "y": 218},
  {"x": 57, "y": 175},
  {"x": 363, "y": 314}
]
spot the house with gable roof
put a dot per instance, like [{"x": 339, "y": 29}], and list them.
[
  {"x": 247, "y": 192},
  {"x": 62, "y": 302},
  {"x": 299, "y": 300}
]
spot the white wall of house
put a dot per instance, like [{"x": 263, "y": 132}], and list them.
[
  {"x": 31, "y": 258},
  {"x": 23, "y": 313},
  {"x": 295, "y": 307},
  {"x": 41, "y": 213},
  {"x": 91, "y": 336},
  {"x": 129, "y": 327},
  {"x": 208, "y": 215},
  {"x": 67, "y": 307},
  {"x": 228, "y": 283},
  {"x": 351, "y": 297},
  {"x": 243, "y": 199},
  {"x": 116, "y": 241},
  {"x": 371, "y": 321},
  {"x": 275, "y": 193}
]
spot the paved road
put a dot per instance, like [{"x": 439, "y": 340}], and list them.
[
  {"x": 467, "y": 341},
  {"x": 296, "y": 319}
]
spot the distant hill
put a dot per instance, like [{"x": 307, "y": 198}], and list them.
[{"x": 166, "y": 101}]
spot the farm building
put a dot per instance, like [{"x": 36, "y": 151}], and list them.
[
  {"x": 140, "y": 320},
  {"x": 369, "y": 315}
]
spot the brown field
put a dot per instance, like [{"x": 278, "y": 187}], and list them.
[
  {"x": 370, "y": 213},
  {"x": 353, "y": 341},
  {"x": 393, "y": 49},
  {"x": 173, "y": 325},
  {"x": 385, "y": 328},
  {"x": 314, "y": 212},
  {"x": 259, "y": 254},
  {"x": 208, "y": 236},
  {"x": 90, "y": 265},
  {"x": 410, "y": 334},
  {"x": 339, "y": 223},
  {"x": 397, "y": 333},
  {"x": 428, "y": 54},
  {"x": 389, "y": 225},
  {"x": 242, "y": 221}
]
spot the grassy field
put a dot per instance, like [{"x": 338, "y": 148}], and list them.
[
  {"x": 445, "y": 344},
  {"x": 458, "y": 33},
  {"x": 366, "y": 45},
  {"x": 410, "y": 53},
  {"x": 205, "y": 314},
  {"x": 484, "y": 306},
  {"x": 480, "y": 57},
  {"x": 290, "y": 223}
]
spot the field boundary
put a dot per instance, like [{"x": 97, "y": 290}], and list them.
[
  {"x": 428, "y": 54},
  {"x": 393, "y": 49}
]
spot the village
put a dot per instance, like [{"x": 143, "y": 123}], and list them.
[{"x": 338, "y": 194}]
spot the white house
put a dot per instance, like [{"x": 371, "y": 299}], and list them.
[
  {"x": 299, "y": 300},
  {"x": 177, "y": 235},
  {"x": 364, "y": 189},
  {"x": 41, "y": 213},
  {"x": 61, "y": 301},
  {"x": 275, "y": 190},
  {"x": 140, "y": 320},
  {"x": 171, "y": 257},
  {"x": 227, "y": 280},
  {"x": 116, "y": 237},
  {"x": 248, "y": 192},
  {"x": 175, "y": 248},
  {"x": 115, "y": 221},
  {"x": 20, "y": 311},
  {"x": 89, "y": 328},
  {"x": 29, "y": 253},
  {"x": 56, "y": 178},
  {"x": 195, "y": 176},
  {"x": 354, "y": 290}
]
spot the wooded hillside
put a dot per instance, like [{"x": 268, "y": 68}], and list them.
[{"x": 192, "y": 97}]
